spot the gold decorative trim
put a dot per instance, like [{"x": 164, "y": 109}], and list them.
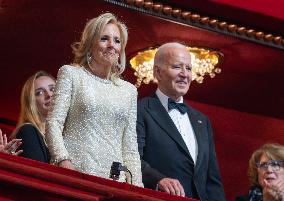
[{"x": 205, "y": 22}]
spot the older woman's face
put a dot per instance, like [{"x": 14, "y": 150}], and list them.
[
  {"x": 107, "y": 49},
  {"x": 44, "y": 87},
  {"x": 268, "y": 173}
]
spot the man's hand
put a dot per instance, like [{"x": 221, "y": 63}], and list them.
[{"x": 171, "y": 186}]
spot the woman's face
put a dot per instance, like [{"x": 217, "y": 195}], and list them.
[
  {"x": 270, "y": 172},
  {"x": 107, "y": 49},
  {"x": 44, "y": 87}
]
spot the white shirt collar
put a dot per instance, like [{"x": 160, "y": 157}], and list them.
[{"x": 164, "y": 99}]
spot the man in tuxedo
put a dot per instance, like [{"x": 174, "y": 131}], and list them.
[{"x": 175, "y": 141}]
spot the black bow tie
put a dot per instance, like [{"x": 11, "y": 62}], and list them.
[{"x": 182, "y": 108}]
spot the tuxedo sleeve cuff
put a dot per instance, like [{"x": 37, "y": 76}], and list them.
[{"x": 151, "y": 176}]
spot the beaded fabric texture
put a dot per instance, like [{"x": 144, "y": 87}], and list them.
[{"x": 97, "y": 120}]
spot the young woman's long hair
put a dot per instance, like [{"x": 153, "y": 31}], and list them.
[{"x": 29, "y": 112}]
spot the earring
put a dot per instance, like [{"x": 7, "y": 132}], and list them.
[
  {"x": 117, "y": 63},
  {"x": 89, "y": 58}
]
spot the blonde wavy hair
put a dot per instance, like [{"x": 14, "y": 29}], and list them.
[
  {"x": 29, "y": 112},
  {"x": 272, "y": 151},
  {"x": 91, "y": 33}
]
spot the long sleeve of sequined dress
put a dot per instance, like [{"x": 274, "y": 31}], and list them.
[
  {"x": 92, "y": 122},
  {"x": 131, "y": 157},
  {"x": 57, "y": 116}
]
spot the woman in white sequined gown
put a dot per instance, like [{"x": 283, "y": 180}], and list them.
[{"x": 93, "y": 118}]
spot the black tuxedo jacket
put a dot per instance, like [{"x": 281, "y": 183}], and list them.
[{"x": 164, "y": 153}]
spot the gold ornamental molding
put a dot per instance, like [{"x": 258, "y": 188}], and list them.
[{"x": 194, "y": 19}]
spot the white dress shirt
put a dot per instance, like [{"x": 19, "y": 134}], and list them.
[{"x": 182, "y": 123}]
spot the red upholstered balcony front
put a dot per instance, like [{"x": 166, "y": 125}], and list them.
[{"x": 24, "y": 179}]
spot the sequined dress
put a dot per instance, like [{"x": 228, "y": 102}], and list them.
[{"x": 97, "y": 120}]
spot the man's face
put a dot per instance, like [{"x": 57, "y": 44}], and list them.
[{"x": 174, "y": 75}]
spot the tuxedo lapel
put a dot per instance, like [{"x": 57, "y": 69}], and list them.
[
  {"x": 162, "y": 118},
  {"x": 197, "y": 126}
]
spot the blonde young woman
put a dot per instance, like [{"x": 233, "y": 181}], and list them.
[
  {"x": 36, "y": 99},
  {"x": 93, "y": 118}
]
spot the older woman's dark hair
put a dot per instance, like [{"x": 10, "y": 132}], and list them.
[{"x": 271, "y": 151}]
